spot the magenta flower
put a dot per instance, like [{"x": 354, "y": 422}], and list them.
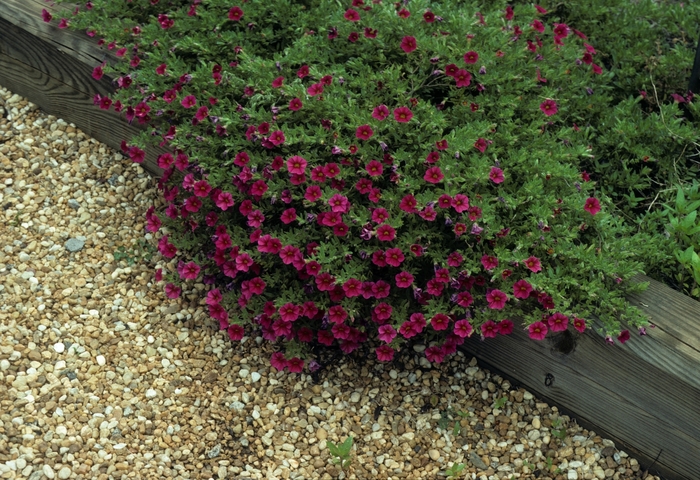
[
  {"x": 386, "y": 233},
  {"x": 533, "y": 264},
  {"x": 561, "y": 30},
  {"x": 296, "y": 165},
  {"x": 537, "y": 331},
  {"x": 394, "y": 257},
  {"x": 235, "y": 14},
  {"x": 592, "y": 205},
  {"x": 404, "y": 279},
  {"x": 352, "y": 287},
  {"x": 549, "y": 107},
  {"x": 496, "y": 299},
  {"x": 172, "y": 290},
  {"x": 463, "y": 78},
  {"x": 387, "y": 333},
  {"x": 537, "y": 26},
  {"x": 45, "y": 15},
  {"x": 339, "y": 203},
  {"x": 408, "y": 44},
  {"x": 374, "y": 168},
  {"x": 403, "y": 13},
  {"x": 489, "y": 329},
  {"x": 315, "y": 89},
  {"x": 160, "y": 69},
  {"x": 455, "y": 259},
  {"x": 235, "y": 332},
  {"x": 384, "y": 353},
  {"x": 558, "y": 322},
  {"x": 429, "y": 17},
  {"x": 460, "y": 203},
  {"x": 63, "y": 23},
  {"x": 189, "y": 101},
  {"x": 471, "y": 57},
  {"x": 202, "y": 113},
  {"x": 463, "y": 328},
  {"x": 380, "y": 113},
  {"x": 97, "y": 72},
  {"x": 434, "y": 354},
  {"x": 202, "y": 188},
  {"x": 579, "y": 324},
  {"x": 496, "y": 175},
  {"x": 505, "y": 327},
  {"x": 288, "y": 216},
  {"x": 522, "y": 289},
  {"x": 295, "y": 104},
  {"x": 303, "y": 71},
  {"x": 440, "y": 321},
  {"x": 408, "y": 204},
  {"x": 313, "y": 193},
  {"x": 433, "y": 175},
  {"x": 382, "y": 312},
  {"x": 489, "y": 262},
  {"x": 278, "y": 361},
  {"x": 277, "y": 82},
  {"x": 364, "y": 132},
  {"x": 481, "y": 144},
  {"x": 277, "y": 137},
  {"x": 351, "y": 15},
  {"x": 380, "y": 215}
]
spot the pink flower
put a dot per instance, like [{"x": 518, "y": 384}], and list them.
[
  {"x": 537, "y": 331},
  {"x": 440, "y": 321},
  {"x": 549, "y": 107},
  {"x": 558, "y": 322},
  {"x": 374, "y": 168},
  {"x": 429, "y": 17},
  {"x": 380, "y": 215},
  {"x": 471, "y": 57},
  {"x": 463, "y": 328},
  {"x": 235, "y": 14},
  {"x": 386, "y": 233},
  {"x": 277, "y": 82},
  {"x": 596, "y": 69},
  {"x": 433, "y": 175},
  {"x": 313, "y": 193},
  {"x": 63, "y": 23},
  {"x": 172, "y": 291},
  {"x": 97, "y": 72},
  {"x": 160, "y": 69},
  {"x": 296, "y": 165},
  {"x": 463, "y": 78},
  {"x": 352, "y": 287},
  {"x": 404, "y": 279},
  {"x": 380, "y": 113},
  {"x": 489, "y": 329},
  {"x": 202, "y": 188},
  {"x": 408, "y": 44},
  {"x": 351, "y": 15},
  {"x": 496, "y": 175},
  {"x": 561, "y": 30},
  {"x": 189, "y": 101},
  {"x": 481, "y": 144},
  {"x": 533, "y": 264},
  {"x": 496, "y": 299},
  {"x": 403, "y": 13},
  {"x": 277, "y": 137},
  {"x": 303, "y": 71},
  {"x": 295, "y": 104},
  {"x": 384, "y": 353},
  {"x": 403, "y": 114},
  {"x": 540, "y": 9},
  {"x": 408, "y": 204},
  {"x": 505, "y": 327},
  {"x": 592, "y": 205},
  {"x": 296, "y": 365},
  {"x": 235, "y": 332},
  {"x": 537, "y": 26},
  {"x": 364, "y": 132},
  {"x": 522, "y": 289},
  {"x": 579, "y": 324},
  {"x": 489, "y": 262},
  {"x": 288, "y": 216},
  {"x": 45, "y": 15},
  {"x": 337, "y": 314},
  {"x": 315, "y": 89},
  {"x": 224, "y": 201},
  {"x": 278, "y": 361},
  {"x": 455, "y": 259},
  {"x": 382, "y": 312},
  {"x": 394, "y": 257},
  {"x": 460, "y": 203},
  {"x": 434, "y": 354},
  {"x": 387, "y": 333},
  {"x": 339, "y": 203}
]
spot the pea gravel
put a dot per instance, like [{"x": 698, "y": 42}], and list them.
[{"x": 103, "y": 377}]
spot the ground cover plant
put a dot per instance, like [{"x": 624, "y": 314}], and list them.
[{"x": 371, "y": 172}]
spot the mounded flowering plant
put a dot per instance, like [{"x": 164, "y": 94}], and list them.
[{"x": 394, "y": 174}]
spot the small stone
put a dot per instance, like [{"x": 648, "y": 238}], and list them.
[
  {"x": 255, "y": 376},
  {"x": 151, "y": 393},
  {"x": 61, "y": 431},
  {"x": 59, "y": 347},
  {"x": 64, "y": 473},
  {"x": 4, "y": 364},
  {"x": 243, "y": 373},
  {"x": 24, "y": 257},
  {"x": 434, "y": 454},
  {"x": 477, "y": 461},
  {"x": 101, "y": 360},
  {"x": 355, "y": 397},
  {"x": 321, "y": 434},
  {"x": 120, "y": 446},
  {"x": 74, "y": 244},
  {"x": 48, "y": 471},
  {"x": 572, "y": 475},
  {"x": 536, "y": 424},
  {"x": 215, "y": 451}
]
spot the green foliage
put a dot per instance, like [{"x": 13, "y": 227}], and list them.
[
  {"x": 341, "y": 452},
  {"x": 684, "y": 227},
  {"x": 539, "y": 110},
  {"x": 454, "y": 470}
]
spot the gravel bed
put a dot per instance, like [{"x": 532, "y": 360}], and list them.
[{"x": 102, "y": 376}]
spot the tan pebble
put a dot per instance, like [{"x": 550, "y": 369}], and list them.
[
  {"x": 434, "y": 454},
  {"x": 79, "y": 282},
  {"x": 321, "y": 434},
  {"x": 536, "y": 423}
]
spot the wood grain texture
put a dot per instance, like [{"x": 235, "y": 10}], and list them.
[
  {"x": 643, "y": 394},
  {"x": 27, "y": 15}
]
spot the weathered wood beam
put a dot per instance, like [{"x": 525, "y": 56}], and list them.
[{"x": 644, "y": 394}]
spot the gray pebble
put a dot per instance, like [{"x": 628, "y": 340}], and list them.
[
  {"x": 73, "y": 244},
  {"x": 74, "y": 204},
  {"x": 214, "y": 452},
  {"x": 477, "y": 461}
]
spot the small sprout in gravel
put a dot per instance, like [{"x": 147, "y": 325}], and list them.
[
  {"x": 341, "y": 452},
  {"x": 454, "y": 470}
]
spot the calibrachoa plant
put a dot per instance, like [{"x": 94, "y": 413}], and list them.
[{"x": 394, "y": 173}]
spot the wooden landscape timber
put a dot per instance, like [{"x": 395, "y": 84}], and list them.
[
  {"x": 645, "y": 395},
  {"x": 52, "y": 68}
]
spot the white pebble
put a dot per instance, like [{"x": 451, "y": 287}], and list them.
[
  {"x": 61, "y": 431},
  {"x": 60, "y": 365},
  {"x": 243, "y": 373},
  {"x": 48, "y": 471},
  {"x": 64, "y": 473},
  {"x": 572, "y": 475},
  {"x": 120, "y": 446},
  {"x": 165, "y": 362},
  {"x": 60, "y": 348},
  {"x": 4, "y": 364},
  {"x": 150, "y": 393},
  {"x": 101, "y": 360},
  {"x": 150, "y": 339},
  {"x": 255, "y": 376}
]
